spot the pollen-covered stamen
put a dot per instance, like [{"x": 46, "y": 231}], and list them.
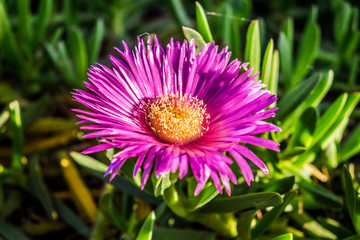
[{"x": 177, "y": 119}]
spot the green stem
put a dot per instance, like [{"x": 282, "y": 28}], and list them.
[{"x": 224, "y": 224}]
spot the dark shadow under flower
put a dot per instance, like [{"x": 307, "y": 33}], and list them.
[{"x": 174, "y": 108}]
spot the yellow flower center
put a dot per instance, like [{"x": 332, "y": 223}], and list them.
[{"x": 177, "y": 119}]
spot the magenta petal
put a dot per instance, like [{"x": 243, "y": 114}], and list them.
[
  {"x": 266, "y": 143},
  {"x": 244, "y": 166},
  {"x": 97, "y": 148},
  {"x": 252, "y": 157}
]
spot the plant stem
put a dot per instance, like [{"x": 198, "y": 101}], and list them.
[{"x": 224, "y": 224}]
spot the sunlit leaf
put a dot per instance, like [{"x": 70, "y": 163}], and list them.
[
  {"x": 252, "y": 46},
  {"x": 202, "y": 23},
  {"x": 274, "y": 77},
  {"x": 17, "y": 138},
  {"x": 190, "y": 33},
  {"x": 146, "y": 230},
  {"x": 266, "y": 68},
  {"x": 286, "y": 236}
]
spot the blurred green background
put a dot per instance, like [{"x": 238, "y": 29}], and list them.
[{"x": 46, "y": 48}]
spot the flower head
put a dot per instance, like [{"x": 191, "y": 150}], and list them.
[{"x": 174, "y": 109}]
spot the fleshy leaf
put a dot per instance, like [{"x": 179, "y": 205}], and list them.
[
  {"x": 242, "y": 202},
  {"x": 146, "y": 230}
]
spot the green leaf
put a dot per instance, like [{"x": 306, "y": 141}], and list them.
[
  {"x": 296, "y": 96},
  {"x": 330, "y": 116},
  {"x": 12, "y": 202},
  {"x": 289, "y": 153},
  {"x": 352, "y": 199},
  {"x": 252, "y": 46},
  {"x": 337, "y": 130},
  {"x": 180, "y": 13},
  {"x": 280, "y": 186},
  {"x": 181, "y": 234},
  {"x": 312, "y": 100},
  {"x": 10, "y": 232},
  {"x": 311, "y": 227},
  {"x": 353, "y": 237},
  {"x": 342, "y": 22},
  {"x": 334, "y": 226},
  {"x": 285, "y": 43},
  {"x": 42, "y": 20},
  {"x": 34, "y": 110},
  {"x": 203, "y": 198},
  {"x": 61, "y": 60},
  {"x": 4, "y": 117},
  {"x": 71, "y": 218},
  {"x": 272, "y": 215},
  {"x": 70, "y": 13},
  {"x": 161, "y": 185},
  {"x": 55, "y": 36},
  {"x": 331, "y": 155},
  {"x": 266, "y": 68},
  {"x": 351, "y": 145},
  {"x": 244, "y": 224},
  {"x": 79, "y": 56},
  {"x": 17, "y": 135},
  {"x": 321, "y": 89},
  {"x": 111, "y": 213},
  {"x": 190, "y": 33},
  {"x": 353, "y": 71},
  {"x": 120, "y": 182},
  {"x": 309, "y": 45},
  {"x": 288, "y": 30},
  {"x": 146, "y": 230},
  {"x": 24, "y": 25},
  {"x": 202, "y": 23},
  {"x": 274, "y": 77},
  {"x": 304, "y": 129},
  {"x": 321, "y": 194},
  {"x": 231, "y": 33},
  {"x": 242, "y": 202},
  {"x": 353, "y": 37},
  {"x": 286, "y": 236},
  {"x": 96, "y": 40},
  {"x": 285, "y": 57},
  {"x": 7, "y": 39},
  {"x": 39, "y": 189}
]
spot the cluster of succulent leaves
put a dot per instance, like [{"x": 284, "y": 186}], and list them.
[{"x": 48, "y": 189}]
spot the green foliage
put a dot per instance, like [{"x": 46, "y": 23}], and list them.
[{"x": 46, "y": 49}]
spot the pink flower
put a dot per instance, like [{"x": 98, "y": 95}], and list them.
[{"x": 174, "y": 108}]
